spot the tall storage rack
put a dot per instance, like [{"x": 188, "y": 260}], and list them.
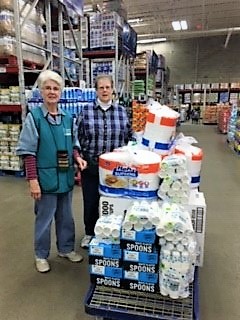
[
  {"x": 106, "y": 50},
  {"x": 17, "y": 69},
  {"x": 51, "y": 10}
]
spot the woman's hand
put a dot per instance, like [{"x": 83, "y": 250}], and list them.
[
  {"x": 82, "y": 164},
  {"x": 35, "y": 189}
]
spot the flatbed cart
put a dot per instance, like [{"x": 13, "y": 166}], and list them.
[{"x": 106, "y": 303}]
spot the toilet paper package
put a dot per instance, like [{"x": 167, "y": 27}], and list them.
[{"x": 129, "y": 173}]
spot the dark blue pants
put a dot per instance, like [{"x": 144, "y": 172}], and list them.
[{"x": 90, "y": 190}]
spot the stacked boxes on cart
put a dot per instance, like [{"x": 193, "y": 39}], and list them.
[
  {"x": 134, "y": 263},
  {"x": 9, "y": 134},
  {"x": 150, "y": 234},
  {"x": 32, "y": 32}
]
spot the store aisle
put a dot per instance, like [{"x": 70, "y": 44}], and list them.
[{"x": 58, "y": 295}]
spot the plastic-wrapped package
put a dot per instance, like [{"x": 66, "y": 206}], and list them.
[
  {"x": 35, "y": 15},
  {"x": 8, "y": 47},
  {"x": 31, "y": 31}
]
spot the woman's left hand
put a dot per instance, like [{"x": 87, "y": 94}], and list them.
[{"x": 82, "y": 164}]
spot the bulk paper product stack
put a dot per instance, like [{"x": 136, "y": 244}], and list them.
[
  {"x": 140, "y": 248},
  {"x": 194, "y": 155},
  {"x": 198, "y": 211},
  {"x": 160, "y": 128},
  {"x": 232, "y": 125},
  {"x": 129, "y": 173},
  {"x": 175, "y": 185},
  {"x": 178, "y": 251}
]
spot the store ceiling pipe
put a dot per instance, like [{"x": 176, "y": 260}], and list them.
[{"x": 191, "y": 34}]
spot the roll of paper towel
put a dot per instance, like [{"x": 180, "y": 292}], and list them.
[
  {"x": 129, "y": 173},
  {"x": 194, "y": 156}
]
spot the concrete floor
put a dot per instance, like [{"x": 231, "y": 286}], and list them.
[{"x": 27, "y": 295}]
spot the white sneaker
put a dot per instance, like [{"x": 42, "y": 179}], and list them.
[
  {"x": 71, "y": 256},
  {"x": 85, "y": 241},
  {"x": 42, "y": 265}
]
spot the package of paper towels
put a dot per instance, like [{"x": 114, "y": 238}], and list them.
[
  {"x": 160, "y": 128},
  {"x": 129, "y": 174}
]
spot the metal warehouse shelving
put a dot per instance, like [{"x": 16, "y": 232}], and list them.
[{"x": 53, "y": 11}]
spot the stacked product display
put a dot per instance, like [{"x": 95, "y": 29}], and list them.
[
  {"x": 150, "y": 234},
  {"x": 32, "y": 32},
  {"x": 223, "y": 118},
  {"x": 9, "y": 134},
  {"x": 232, "y": 124},
  {"x": 72, "y": 99},
  {"x": 237, "y": 136}
]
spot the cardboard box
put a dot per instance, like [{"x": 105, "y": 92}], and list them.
[
  {"x": 106, "y": 281},
  {"x": 112, "y": 251},
  {"x": 105, "y": 262},
  {"x": 141, "y": 257},
  {"x": 198, "y": 209},
  {"x": 141, "y": 267},
  {"x": 140, "y": 276},
  {"x": 111, "y": 205},
  {"x": 106, "y": 271},
  {"x": 147, "y": 236},
  {"x": 140, "y": 286},
  {"x": 139, "y": 246}
]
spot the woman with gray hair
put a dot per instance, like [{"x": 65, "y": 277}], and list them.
[{"x": 46, "y": 145}]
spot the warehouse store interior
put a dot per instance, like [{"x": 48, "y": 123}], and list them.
[{"x": 174, "y": 60}]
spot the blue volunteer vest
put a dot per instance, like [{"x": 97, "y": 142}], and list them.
[{"x": 51, "y": 139}]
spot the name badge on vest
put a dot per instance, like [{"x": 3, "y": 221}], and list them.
[
  {"x": 67, "y": 132},
  {"x": 62, "y": 160}
]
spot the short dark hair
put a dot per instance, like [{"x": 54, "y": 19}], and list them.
[{"x": 103, "y": 76}]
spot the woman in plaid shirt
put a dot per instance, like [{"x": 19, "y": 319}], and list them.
[{"x": 102, "y": 126}]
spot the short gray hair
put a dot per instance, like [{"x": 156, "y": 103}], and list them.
[
  {"x": 49, "y": 75},
  {"x": 104, "y": 76}
]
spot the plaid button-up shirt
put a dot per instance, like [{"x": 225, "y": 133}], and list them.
[{"x": 102, "y": 131}]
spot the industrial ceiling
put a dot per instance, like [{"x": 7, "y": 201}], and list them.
[{"x": 204, "y": 17}]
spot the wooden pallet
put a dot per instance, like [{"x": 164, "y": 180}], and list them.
[{"x": 11, "y": 61}]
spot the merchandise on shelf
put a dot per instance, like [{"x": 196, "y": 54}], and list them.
[
  {"x": 72, "y": 99},
  {"x": 104, "y": 27},
  {"x": 9, "y": 134},
  {"x": 210, "y": 115},
  {"x": 236, "y": 142},
  {"x": 223, "y": 118},
  {"x": 9, "y": 95},
  {"x": 139, "y": 116},
  {"x": 31, "y": 32},
  {"x": 232, "y": 125}
]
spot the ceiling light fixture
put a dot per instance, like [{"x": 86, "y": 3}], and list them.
[
  {"x": 136, "y": 20},
  {"x": 179, "y": 25},
  {"x": 145, "y": 41},
  {"x": 184, "y": 25}
]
